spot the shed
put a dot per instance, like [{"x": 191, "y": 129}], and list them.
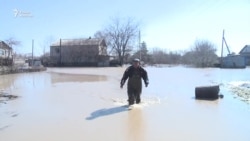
[{"x": 233, "y": 61}]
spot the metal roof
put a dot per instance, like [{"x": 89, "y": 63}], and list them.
[
  {"x": 4, "y": 45},
  {"x": 245, "y": 50},
  {"x": 82, "y": 41}
]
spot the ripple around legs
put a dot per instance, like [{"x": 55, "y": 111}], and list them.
[{"x": 146, "y": 101}]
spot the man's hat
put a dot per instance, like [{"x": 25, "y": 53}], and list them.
[{"x": 136, "y": 60}]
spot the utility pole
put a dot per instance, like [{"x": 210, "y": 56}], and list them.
[
  {"x": 140, "y": 43},
  {"x": 228, "y": 50},
  {"x": 222, "y": 48},
  {"x": 60, "y": 52},
  {"x": 224, "y": 41},
  {"x": 32, "y": 61}
]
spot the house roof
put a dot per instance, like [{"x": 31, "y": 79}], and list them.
[
  {"x": 4, "y": 45},
  {"x": 245, "y": 50},
  {"x": 82, "y": 41}
]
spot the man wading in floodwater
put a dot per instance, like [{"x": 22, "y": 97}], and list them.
[{"x": 135, "y": 73}]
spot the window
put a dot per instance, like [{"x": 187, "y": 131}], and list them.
[
  {"x": 57, "y": 50},
  {"x": 1, "y": 52}
]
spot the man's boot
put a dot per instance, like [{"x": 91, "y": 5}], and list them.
[
  {"x": 138, "y": 100},
  {"x": 131, "y": 100}
]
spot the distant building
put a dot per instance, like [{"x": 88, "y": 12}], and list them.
[
  {"x": 6, "y": 55},
  {"x": 233, "y": 61},
  {"x": 79, "y": 52},
  {"x": 245, "y": 52}
]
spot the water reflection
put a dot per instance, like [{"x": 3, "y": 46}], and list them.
[
  {"x": 136, "y": 125},
  {"x": 44, "y": 79},
  {"x": 207, "y": 102},
  {"x": 7, "y": 80},
  {"x": 64, "y": 77}
]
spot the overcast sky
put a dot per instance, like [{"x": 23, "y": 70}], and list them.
[{"x": 169, "y": 24}]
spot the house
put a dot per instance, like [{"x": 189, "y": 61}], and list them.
[
  {"x": 245, "y": 52},
  {"x": 6, "y": 55},
  {"x": 79, "y": 52}
]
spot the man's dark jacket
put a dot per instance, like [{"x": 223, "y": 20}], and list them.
[{"x": 130, "y": 72}]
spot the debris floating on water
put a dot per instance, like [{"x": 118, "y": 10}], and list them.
[
  {"x": 6, "y": 97},
  {"x": 241, "y": 89}
]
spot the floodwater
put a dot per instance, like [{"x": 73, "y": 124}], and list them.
[{"x": 78, "y": 104}]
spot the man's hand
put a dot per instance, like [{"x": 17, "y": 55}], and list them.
[
  {"x": 121, "y": 86},
  {"x": 146, "y": 84},
  {"x": 122, "y": 83}
]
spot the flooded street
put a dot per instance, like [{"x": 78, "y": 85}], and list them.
[{"x": 78, "y": 104}]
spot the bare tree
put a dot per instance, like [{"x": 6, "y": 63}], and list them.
[
  {"x": 12, "y": 42},
  {"x": 120, "y": 35},
  {"x": 46, "y": 44},
  {"x": 202, "y": 54},
  {"x": 142, "y": 53},
  {"x": 158, "y": 56}
]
